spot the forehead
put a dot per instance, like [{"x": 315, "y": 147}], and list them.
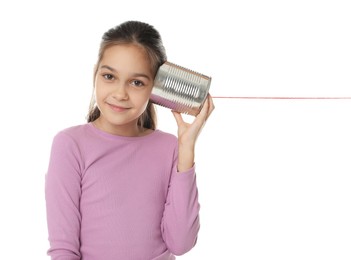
[
  {"x": 129, "y": 58},
  {"x": 123, "y": 52}
]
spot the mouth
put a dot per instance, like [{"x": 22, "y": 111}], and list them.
[{"x": 117, "y": 108}]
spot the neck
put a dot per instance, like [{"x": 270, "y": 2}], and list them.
[{"x": 130, "y": 130}]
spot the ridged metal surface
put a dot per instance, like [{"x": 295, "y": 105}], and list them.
[{"x": 180, "y": 89}]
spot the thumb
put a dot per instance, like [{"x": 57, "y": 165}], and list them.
[{"x": 178, "y": 117}]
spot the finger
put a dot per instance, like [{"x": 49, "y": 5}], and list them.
[
  {"x": 207, "y": 108},
  {"x": 211, "y": 106},
  {"x": 204, "y": 110},
  {"x": 178, "y": 117}
]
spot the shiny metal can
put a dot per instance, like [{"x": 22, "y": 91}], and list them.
[{"x": 180, "y": 89}]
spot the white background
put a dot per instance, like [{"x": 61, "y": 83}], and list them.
[{"x": 273, "y": 175}]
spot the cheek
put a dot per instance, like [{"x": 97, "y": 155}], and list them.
[
  {"x": 99, "y": 97},
  {"x": 99, "y": 91},
  {"x": 146, "y": 96},
  {"x": 142, "y": 99}
]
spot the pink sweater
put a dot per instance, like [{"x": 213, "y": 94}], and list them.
[{"x": 110, "y": 197}]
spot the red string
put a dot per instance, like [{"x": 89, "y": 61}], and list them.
[{"x": 229, "y": 97}]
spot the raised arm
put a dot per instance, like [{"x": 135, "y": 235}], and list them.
[
  {"x": 180, "y": 223},
  {"x": 188, "y": 134}
]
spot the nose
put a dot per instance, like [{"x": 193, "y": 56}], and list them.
[{"x": 120, "y": 92}]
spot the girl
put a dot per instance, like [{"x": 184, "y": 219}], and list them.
[{"x": 117, "y": 187}]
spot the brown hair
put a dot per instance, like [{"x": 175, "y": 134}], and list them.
[{"x": 141, "y": 34}]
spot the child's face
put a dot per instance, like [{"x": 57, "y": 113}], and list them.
[{"x": 123, "y": 85}]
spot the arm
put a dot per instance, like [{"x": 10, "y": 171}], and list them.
[
  {"x": 180, "y": 224},
  {"x": 188, "y": 134},
  {"x": 62, "y": 193}
]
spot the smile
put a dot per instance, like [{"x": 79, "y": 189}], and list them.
[{"x": 117, "y": 108}]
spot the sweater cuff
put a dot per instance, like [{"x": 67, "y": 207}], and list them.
[{"x": 189, "y": 171}]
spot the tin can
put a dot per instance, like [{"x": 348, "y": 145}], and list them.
[{"x": 180, "y": 89}]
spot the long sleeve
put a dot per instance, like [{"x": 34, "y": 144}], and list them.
[
  {"x": 62, "y": 192},
  {"x": 113, "y": 197},
  {"x": 180, "y": 224}
]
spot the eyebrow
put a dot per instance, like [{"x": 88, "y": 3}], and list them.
[
  {"x": 107, "y": 67},
  {"x": 115, "y": 71}
]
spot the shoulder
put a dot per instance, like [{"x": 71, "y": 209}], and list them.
[
  {"x": 162, "y": 142},
  {"x": 74, "y": 130},
  {"x": 71, "y": 134},
  {"x": 164, "y": 136}
]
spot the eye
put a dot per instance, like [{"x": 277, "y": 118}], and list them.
[
  {"x": 108, "y": 77},
  {"x": 137, "y": 83}
]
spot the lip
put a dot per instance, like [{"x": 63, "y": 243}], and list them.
[{"x": 117, "y": 108}]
